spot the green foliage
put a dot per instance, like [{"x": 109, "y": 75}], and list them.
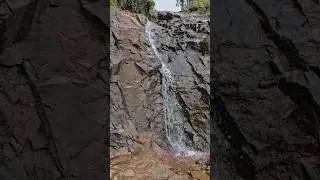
[
  {"x": 194, "y": 5},
  {"x": 137, "y": 6},
  {"x": 113, "y": 4},
  {"x": 199, "y": 4}
]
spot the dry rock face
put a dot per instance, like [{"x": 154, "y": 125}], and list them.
[{"x": 265, "y": 77}]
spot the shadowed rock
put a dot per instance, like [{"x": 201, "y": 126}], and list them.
[{"x": 265, "y": 88}]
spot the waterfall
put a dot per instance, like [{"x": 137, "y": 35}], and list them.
[{"x": 174, "y": 118}]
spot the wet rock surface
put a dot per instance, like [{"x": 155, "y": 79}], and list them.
[
  {"x": 136, "y": 95},
  {"x": 265, "y": 96}
]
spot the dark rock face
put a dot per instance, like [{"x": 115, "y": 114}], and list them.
[
  {"x": 18, "y": 17},
  {"x": 53, "y": 100},
  {"x": 265, "y": 90}
]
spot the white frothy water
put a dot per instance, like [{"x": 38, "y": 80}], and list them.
[{"x": 173, "y": 111}]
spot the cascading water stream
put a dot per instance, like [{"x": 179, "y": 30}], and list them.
[{"x": 174, "y": 118}]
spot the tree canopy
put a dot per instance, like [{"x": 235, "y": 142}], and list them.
[
  {"x": 137, "y": 6},
  {"x": 194, "y": 4}
]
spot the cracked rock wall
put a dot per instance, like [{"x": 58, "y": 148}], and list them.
[
  {"x": 53, "y": 98},
  {"x": 265, "y": 77}
]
